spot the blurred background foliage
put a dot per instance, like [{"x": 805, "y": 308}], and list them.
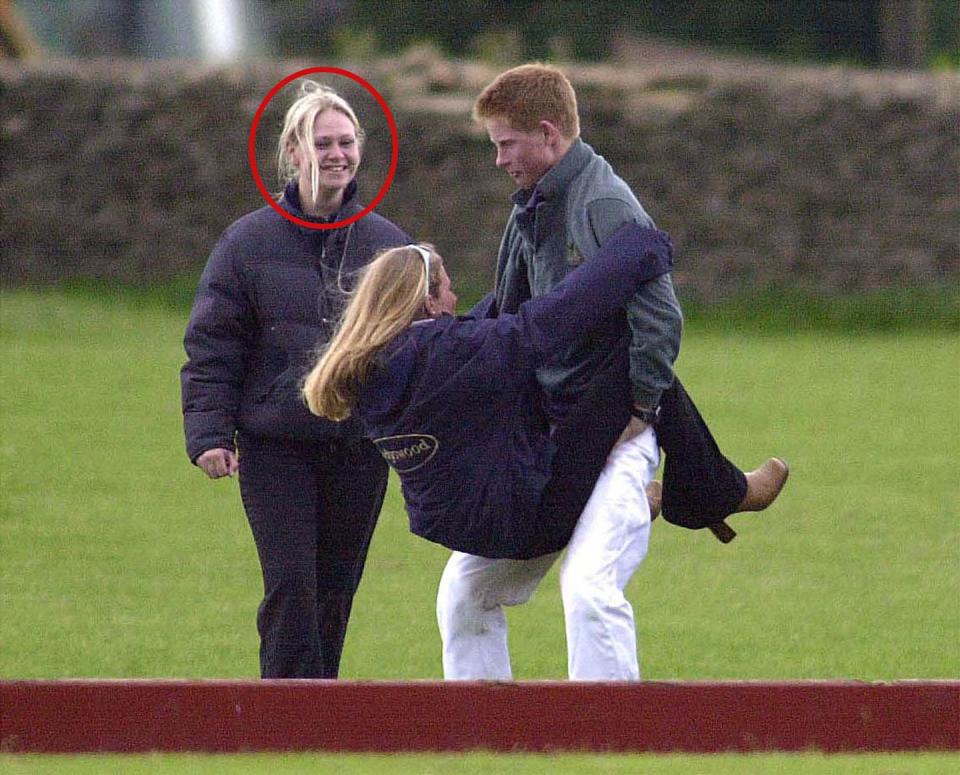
[
  {"x": 864, "y": 32},
  {"x": 837, "y": 178},
  {"x": 868, "y": 33}
]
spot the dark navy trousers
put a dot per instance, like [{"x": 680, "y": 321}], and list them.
[
  {"x": 312, "y": 509},
  {"x": 700, "y": 485}
]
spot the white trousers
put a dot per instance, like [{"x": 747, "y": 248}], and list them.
[{"x": 608, "y": 545}]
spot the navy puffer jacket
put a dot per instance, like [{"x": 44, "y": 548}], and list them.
[{"x": 271, "y": 293}]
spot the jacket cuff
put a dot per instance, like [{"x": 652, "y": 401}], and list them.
[
  {"x": 645, "y": 398},
  {"x": 199, "y": 438}
]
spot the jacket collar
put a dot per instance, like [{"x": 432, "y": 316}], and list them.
[
  {"x": 558, "y": 177},
  {"x": 291, "y": 203}
]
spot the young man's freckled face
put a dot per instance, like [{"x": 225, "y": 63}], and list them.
[{"x": 525, "y": 156}]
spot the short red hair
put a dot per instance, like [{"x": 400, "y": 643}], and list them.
[{"x": 526, "y": 95}]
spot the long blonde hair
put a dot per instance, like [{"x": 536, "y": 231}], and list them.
[
  {"x": 390, "y": 295},
  {"x": 298, "y": 130}
]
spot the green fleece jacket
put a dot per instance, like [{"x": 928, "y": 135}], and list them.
[{"x": 563, "y": 221}]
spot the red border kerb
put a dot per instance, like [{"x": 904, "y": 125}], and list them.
[
  {"x": 394, "y": 155},
  {"x": 84, "y": 716}
]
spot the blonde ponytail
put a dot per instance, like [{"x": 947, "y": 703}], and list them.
[{"x": 389, "y": 297}]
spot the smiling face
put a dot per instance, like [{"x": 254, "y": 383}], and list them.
[
  {"x": 337, "y": 152},
  {"x": 526, "y": 156}
]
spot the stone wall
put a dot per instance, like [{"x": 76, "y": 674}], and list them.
[{"x": 830, "y": 180}]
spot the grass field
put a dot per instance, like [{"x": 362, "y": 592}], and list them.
[{"x": 120, "y": 559}]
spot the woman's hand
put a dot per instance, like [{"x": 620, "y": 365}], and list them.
[{"x": 218, "y": 462}]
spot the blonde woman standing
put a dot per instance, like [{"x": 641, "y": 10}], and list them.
[{"x": 269, "y": 295}]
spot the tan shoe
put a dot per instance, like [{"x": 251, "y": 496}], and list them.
[
  {"x": 654, "y": 498},
  {"x": 764, "y": 485}
]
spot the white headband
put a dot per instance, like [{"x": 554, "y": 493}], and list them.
[{"x": 425, "y": 255}]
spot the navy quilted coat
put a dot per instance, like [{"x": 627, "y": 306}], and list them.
[{"x": 271, "y": 293}]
